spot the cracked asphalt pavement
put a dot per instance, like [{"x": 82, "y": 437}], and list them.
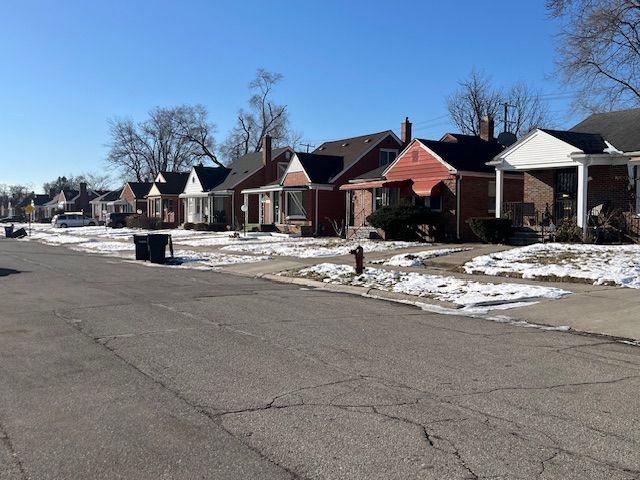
[{"x": 111, "y": 369}]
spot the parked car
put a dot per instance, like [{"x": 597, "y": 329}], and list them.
[
  {"x": 64, "y": 220},
  {"x": 13, "y": 219},
  {"x": 118, "y": 219}
]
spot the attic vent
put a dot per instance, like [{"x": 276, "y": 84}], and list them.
[
  {"x": 345, "y": 144},
  {"x": 321, "y": 148},
  {"x": 246, "y": 171},
  {"x": 367, "y": 140}
]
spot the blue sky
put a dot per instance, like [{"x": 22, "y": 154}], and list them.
[{"x": 350, "y": 67}]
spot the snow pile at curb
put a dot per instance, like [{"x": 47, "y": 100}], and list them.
[
  {"x": 448, "y": 289},
  {"x": 601, "y": 264},
  {"x": 417, "y": 259}
]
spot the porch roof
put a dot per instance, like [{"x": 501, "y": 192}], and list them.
[{"x": 422, "y": 187}]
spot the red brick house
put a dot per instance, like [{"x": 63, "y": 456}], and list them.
[
  {"x": 572, "y": 173},
  {"x": 246, "y": 172},
  {"x": 306, "y": 197},
  {"x": 447, "y": 175},
  {"x": 163, "y": 199},
  {"x": 134, "y": 196}
]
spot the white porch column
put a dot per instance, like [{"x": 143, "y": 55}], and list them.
[
  {"x": 261, "y": 208},
  {"x": 499, "y": 192},
  {"x": 581, "y": 201},
  {"x": 246, "y": 211}
]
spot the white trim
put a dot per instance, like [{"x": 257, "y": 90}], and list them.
[
  {"x": 345, "y": 169},
  {"x": 507, "y": 174},
  {"x": 299, "y": 164},
  {"x": 458, "y": 189},
  {"x": 499, "y": 193}
]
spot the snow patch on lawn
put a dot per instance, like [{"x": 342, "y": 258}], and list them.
[
  {"x": 418, "y": 259},
  {"x": 313, "y": 247},
  {"x": 465, "y": 293},
  {"x": 601, "y": 264}
]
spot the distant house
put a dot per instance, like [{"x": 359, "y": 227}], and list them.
[
  {"x": 201, "y": 203},
  {"x": 448, "y": 175},
  {"x": 134, "y": 196},
  {"x": 70, "y": 200},
  {"x": 39, "y": 202},
  {"x": 306, "y": 197},
  {"x": 105, "y": 204},
  {"x": 163, "y": 199},
  {"x": 570, "y": 174}
]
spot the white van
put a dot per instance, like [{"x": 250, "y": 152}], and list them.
[{"x": 64, "y": 220}]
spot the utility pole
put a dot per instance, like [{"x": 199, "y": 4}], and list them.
[
  {"x": 307, "y": 145},
  {"x": 506, "y": 106}
]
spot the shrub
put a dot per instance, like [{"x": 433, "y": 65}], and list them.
[
  {"x": 143, "y": 221},
  {"x": 490, "y": 229},
  {"x": 400, "y": 221},
  {"x": 188, "y": 226},
  {"x": 568, "y": 231}
]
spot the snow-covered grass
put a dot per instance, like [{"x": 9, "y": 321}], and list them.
[
  {"x": 315, "y": 247},
  {"x": 597, "y": 264},
  {"x": 444, "y": 288},
  {"x": 418, "y": 259}
]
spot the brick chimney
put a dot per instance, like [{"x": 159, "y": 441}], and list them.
[
  {"x": 83, "y": 198},
  {"x": 405, "y": 132},
  {"x": 486, "y": 128},
  {"x": 266, "y": 150}
]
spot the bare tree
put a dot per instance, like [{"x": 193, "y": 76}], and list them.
[
  {"x": 263, "y": 116},
  {"x": 170, "y": 139},
  {"x": 599, "y": 50},
  {"x": 476, "y": 98}
]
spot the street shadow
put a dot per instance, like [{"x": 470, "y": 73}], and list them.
[{"x": 4, "y": 272}]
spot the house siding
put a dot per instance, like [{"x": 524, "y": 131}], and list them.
[
  {"x": 416, "y": 163},
  {"x": 293, "y": 179}
]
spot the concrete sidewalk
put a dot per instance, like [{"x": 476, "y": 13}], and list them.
[{"x": 593, "y": 309}]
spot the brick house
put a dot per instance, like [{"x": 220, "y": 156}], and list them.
[
  {"x": 571, "y": 174},
  {"x": 306, "y": 197},
  {"x": 246, "y": 172},
  {"x": 105, "y": 204},
  {"x": 448, "y": 175},
  {"x": 134, "y": 196},
  {"x": 163, "y": 199}
]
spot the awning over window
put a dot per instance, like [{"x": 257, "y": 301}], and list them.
[
  {"x": 375, "y": 184},
  {"x": 427, "y": 187}
]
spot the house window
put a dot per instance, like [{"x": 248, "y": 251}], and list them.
[
  {"x": 385, "y": 197},
  {"x": 157, "y": 207},
  {"x": 282, "y": 167},
  {"x": 219, "y": 213},
  {"x": 296, "y": 204},
  {"x": 387, "y": 156},
  {"x": 198, "y": 205},
  {"x": 491, "y": 205},
  {"x": 432, "y": 203}
]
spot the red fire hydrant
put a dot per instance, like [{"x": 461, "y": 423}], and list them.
[{"x": 359, "y": 254}]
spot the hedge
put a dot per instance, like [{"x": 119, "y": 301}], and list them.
[{"x": 490, "y": 229}]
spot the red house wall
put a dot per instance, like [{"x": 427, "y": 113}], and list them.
[{"x": 416, "y": 163}]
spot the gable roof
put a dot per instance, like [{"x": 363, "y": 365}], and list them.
[
  {"x": 174, "y": 183},
  {"x": 210, "y": 177},
  {"x": 245, "y": 166},
  {"x": 587, "y": 142},
  {"x": 621, "y": 128},
  {"x": 41, "y": 199},
  {"x": 140, "y": 189},
  {"x": 320, "y": 168},
  {"x": 108, "y": 196},
  {"x": 470, "y": 154},
  {"x": 353, "y": 148}
]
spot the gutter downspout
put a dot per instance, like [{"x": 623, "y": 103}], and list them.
[
  {"x": 458, "y": 188},
  {"x": 316, "y": 205}
]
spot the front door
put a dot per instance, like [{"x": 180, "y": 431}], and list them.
[{"x": 565, "y": 193}]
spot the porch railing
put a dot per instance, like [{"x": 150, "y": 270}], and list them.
[{"x": 520, "y": 213}]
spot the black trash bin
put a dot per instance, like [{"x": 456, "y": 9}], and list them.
[
  {"x": 20, "y": 233},
  {"x": 157, "y": 247},
  {"x": 142, "y": 246},
  {"x": 8, "y": 231}
]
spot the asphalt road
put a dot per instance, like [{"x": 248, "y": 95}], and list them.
[{"x": 111, "y": 369}]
